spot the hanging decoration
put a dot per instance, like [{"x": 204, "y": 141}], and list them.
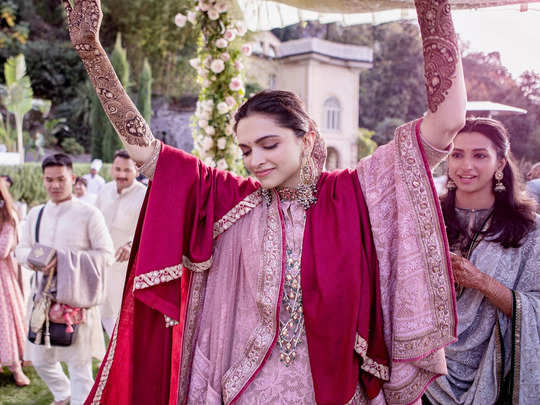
[{"x": 219, "y": 68}]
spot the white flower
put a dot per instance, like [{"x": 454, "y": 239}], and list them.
[
  {"x": 203, "y": 115},
  {"x": 207, "y": 61},
  {"x": 225, "y": 57},
  {"x": 222, "y": 143},
  {"x": 221, "y": 43},
  {"x": 230, "y": 101},
  {"x": 203, "y": 123},
  {"x": 238, "y": 152},
  {"x": 180, "y": 20},
  {"x": 217, "y": 66},
  {"x": 208, "y": 104},
  {"x": 241, "y": 28},
  {"x": 221, "y": 6},
  {"x": 195, "y": 63},
  {"x": 210, "y": 130},
  {"x": 203, "y": 5},
  {"x": 238, "y": 65},
  {"x": 192, "y": 17},
  {"x": 222, "y": 107},
  {"x": 213, "y": 14},
  {"x": 229, "y": 129},
  {"x": 205, "y": 83},
  {"x": 229, "y": 35},
  {"x": 235, "y": 84},
  {"x": 246, "y": 49},
  {"x": 209, "y": 162},
  {"x": 207, "y": 142},
  {"x": 222, "y": 164}
]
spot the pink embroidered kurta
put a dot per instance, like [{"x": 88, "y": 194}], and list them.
[
  {"x": 12, "y": 320},
  {"x": 223, "y": 347}
]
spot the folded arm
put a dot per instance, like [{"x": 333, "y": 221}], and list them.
[
  {"x": 445, "y": 84},
  {"x": 84, "y": 20}
]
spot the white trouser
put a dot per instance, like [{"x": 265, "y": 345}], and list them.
[
  {"x": 80, "y": 373},
  {"x": 108, "y": 325}
]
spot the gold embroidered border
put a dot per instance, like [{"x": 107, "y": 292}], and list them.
[
  {"x": 197, "y": 267},
  {"x": 156, "y": 277},
  {"x": 423, "y": 203},
  {"x": 106, "y": 368},
  {"x": 517, "y": 349},
  {"x": 410, "y": 390},
  {"x": 194, "y": 308},
  {"x": 237, "y": 212},
  {"x": 268, "y": 285},
  {"x": 369, "y": 365}
]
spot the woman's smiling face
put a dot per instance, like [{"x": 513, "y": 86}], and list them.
[
  {"x": 473, "y": 162},
  {"x": 273, "y": 154}
]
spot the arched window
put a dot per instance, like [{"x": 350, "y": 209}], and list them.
[
  {"x": 332, "y": 159},
  {"x": 332, "y": 114}
]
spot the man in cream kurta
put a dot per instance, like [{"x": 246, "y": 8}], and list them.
[
  {"x": 120, "y": 202},
  {"x": 84, "y": 248}
]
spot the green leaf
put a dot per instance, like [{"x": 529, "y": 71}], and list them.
[
  {"x": 14, "y": 69},
  {"x": 41, "y": 105}
]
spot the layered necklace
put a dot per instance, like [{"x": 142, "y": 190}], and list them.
[{"x": 291, "y": 331}]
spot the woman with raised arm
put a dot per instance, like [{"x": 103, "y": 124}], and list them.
[
  {"x": 494, "y": 230},
  {"x": 298, "y": 286}
]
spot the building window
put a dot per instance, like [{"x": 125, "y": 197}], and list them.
[
  {"x": 332, "y": 159},
  {"x": 332, "y": 114}
]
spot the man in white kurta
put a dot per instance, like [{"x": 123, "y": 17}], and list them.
[
  {"x": 120, "y": 202},
  {"x": 84, "y": 248}
]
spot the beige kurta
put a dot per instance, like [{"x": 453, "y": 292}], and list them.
[
  {"x": 121, "y": 212},
  {"x": 75, "y": 229}
]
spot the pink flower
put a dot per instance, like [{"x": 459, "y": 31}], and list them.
[
  {"x": 203, "y": 5},
  {"x": 238, "y": 65},
  {"x": 180, "y": 20},
  {"x": 221, "y": 43},
  {"x": 225, "y": 57},
  {"x": 213, "y": 14},
  {"x": 235, "y": 84},
  {"x": 217, "y": 66},
  {"x": 230, "y": 101},
  {"x": 246, "y": 49},
  {"x": 229, "y": 35},
  {"x": 221, "y": 6},
  {"x": 192, "y": 17},
  {"x": 195, "y": 63}
]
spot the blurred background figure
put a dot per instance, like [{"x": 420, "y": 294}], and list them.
[
  {"x": 12, "y": 320},
  {"x": 533, "y": 184},
  {"x": 81, "y": 191},
  {"x": 20, "y": 207},
  {"x": 95, "y": 181},
  {"x": 120, "y": 202}
]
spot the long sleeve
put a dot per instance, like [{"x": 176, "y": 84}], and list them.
[
  {"x": 7, "y": 240},
  {"x": 26, "y": 236},
  {"x": 81, "y": 280}
]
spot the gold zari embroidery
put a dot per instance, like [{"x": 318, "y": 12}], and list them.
[
  {"x": 369, "y": 365},
  {"x": 156, "y": 277}
]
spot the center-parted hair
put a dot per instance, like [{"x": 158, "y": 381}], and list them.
[{"x": 514, "y": 213}]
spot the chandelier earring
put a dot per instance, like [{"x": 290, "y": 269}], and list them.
[
  {"x": 499, "y": 186},
  {"x": 450, "y": 184}
]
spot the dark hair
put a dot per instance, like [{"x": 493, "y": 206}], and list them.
[
  {"x": 7, "y": 209},
  {"x": 58, "y": 159},
  {"x": 7, "y": 178},
  {"x": 121, "y": 153},
  {"x": 514, "y": 213},
  {"x": 284, "y": 107},
  {"x": 82, "y": 180}
]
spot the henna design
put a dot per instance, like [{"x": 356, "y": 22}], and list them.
[
  {"x": 84, "y": 20},
  {"x": 441, "y": 53}
]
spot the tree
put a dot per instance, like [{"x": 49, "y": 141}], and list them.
[
  {"x": 144, "y": 95},
  {"x": 366, "y": 146}
]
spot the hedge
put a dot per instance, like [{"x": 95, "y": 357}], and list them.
[{"x": 28, "y": 184}]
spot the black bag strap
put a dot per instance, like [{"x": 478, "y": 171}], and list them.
[{"x": 38, "y": 223}]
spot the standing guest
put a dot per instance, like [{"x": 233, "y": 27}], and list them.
[
  {"x": 120, "y": 202},
  {"x": 95, "y": 181},
  {"x": 81, "y": 192},
  {"x": 495, "y": 232},
  {"x": 12, "y": 319},
  {"x": 296, "y": 286},
  {"x": 84, "y": 249},
  {"x": 533, "y": 184},
  {"x": 20, "y": 207}
]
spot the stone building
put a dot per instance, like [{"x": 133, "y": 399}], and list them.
[{"x": 326, "y": 76}]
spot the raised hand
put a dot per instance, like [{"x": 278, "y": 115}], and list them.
[{"x": 84, "y": 21}]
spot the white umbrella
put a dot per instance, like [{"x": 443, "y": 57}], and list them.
[{"x": 493, "y": 108}]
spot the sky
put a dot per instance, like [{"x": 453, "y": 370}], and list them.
[{"x": 514, "y": 34}]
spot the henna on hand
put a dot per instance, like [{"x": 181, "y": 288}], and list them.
[
  {"x": 441, "y": 53},
  {"x": 84, "y": 21}
]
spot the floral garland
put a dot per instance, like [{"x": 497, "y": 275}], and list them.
[{"x": 220, "y": 74}]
